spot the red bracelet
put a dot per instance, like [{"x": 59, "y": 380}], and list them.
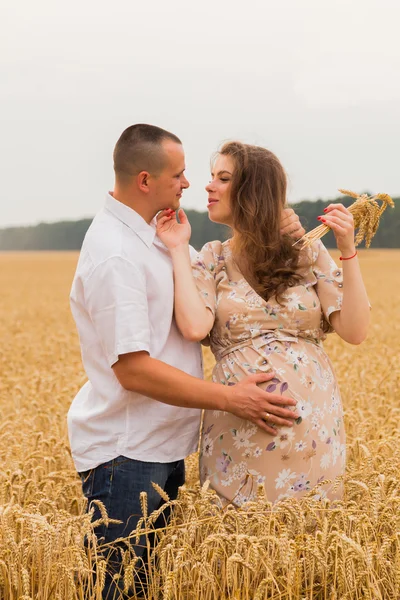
[{"x": 349, "y": 257}]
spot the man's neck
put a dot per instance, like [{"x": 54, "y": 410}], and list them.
[{"x": 137, "y": 204}]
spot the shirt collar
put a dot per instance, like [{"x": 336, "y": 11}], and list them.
[{"x": 132, "y": 219}]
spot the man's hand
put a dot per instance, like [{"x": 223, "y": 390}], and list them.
[
  {"x": 290, "y": 224},
  {"x": 248, "y": 401},
  {"x": 138, "y": 372}
]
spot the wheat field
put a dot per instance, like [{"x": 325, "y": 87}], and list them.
[{"x": 295, "y": 551}]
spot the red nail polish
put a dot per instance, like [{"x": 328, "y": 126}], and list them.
[
  {"x": 323, "y": 220},
  {"x": 325, "y": 209},
  {"x": 319, "y": 218}
]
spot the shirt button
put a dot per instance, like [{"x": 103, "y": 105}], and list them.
[
  {"x": 223, "y": 268},
  {"x": 340, "y": 285}
]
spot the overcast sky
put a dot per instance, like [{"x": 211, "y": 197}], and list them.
[{"x": 315, "y": 81}]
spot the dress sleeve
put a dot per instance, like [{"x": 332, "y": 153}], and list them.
[
  {"x": 205, "y": 266},
  {"x": 329, "y": 286}
]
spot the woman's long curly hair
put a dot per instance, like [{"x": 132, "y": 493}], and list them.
[{"x": 266, "y": 258}]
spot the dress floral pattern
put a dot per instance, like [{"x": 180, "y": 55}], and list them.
[{"x": 251, "y": 335}]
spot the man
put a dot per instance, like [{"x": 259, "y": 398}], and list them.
[{"x": 138, "y": 416}]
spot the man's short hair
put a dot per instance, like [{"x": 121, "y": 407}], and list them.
[{"x": 140, "y": 149}]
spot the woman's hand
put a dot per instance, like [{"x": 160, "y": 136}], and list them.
[
  {"x": 170, "y": 232},
  {"x": 290, "y": 224},
  {"x": 340, "y": 220}
]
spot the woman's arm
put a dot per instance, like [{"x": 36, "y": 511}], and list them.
[
  {"x": 352, "y": 320},
  {"x": 192, "y": 316}
]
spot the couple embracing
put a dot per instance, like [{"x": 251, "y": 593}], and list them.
[{"x": 143, "y": 299}]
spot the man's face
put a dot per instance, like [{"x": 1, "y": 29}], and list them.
[{"x": 169, "y": 185}]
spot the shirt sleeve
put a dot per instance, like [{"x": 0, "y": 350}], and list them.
[
  {"x": 329, "y": 286},
  {"x": 204, "y": 269},
  {"x": 116, "y": 300}
]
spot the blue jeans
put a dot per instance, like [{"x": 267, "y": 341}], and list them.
[{"x": 117, "y": 484}]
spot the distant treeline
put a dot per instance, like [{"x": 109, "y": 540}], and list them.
[{"x": 68, "y": 235}]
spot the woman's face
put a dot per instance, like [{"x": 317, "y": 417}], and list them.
[{"x": 219, "y": 190}]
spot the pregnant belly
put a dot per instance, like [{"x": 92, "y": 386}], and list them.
[{"x": 235, "y": 452}]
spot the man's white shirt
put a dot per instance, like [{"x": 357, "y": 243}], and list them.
[{"x": 122, "y": 301}]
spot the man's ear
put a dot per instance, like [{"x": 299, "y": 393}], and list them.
[{"x": 143, "y": 181}]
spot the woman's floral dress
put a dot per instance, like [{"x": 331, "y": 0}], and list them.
[{"x": 251, "y": 335}]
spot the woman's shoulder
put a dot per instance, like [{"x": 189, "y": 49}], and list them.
[
  {"x": 310, "y": 254},
  {"x": 309, "y": 260},
  {"x": 215, "y": 248},
  {"x": 211, "y": 257}
]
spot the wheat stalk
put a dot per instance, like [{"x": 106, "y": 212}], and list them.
[
  {"x": 299, "y": 548},
  {"x": 366, "y": 213}
]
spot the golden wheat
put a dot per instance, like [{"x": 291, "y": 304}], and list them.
[
  {"x": 294, "y": 550},
  {"x": 366, "y": 213}
]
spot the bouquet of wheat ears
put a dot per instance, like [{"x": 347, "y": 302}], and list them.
[{"x": 366, "y": 212}]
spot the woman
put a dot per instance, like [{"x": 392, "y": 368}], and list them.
[{"x": 267, "y": 305}]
